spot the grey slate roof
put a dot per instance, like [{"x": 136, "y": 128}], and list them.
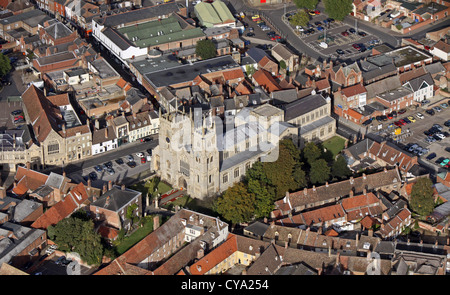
[
  {"x": 188, "y": 72},
  {"x": 257, "y": 228},
  {"x": 303, "y": 106},
  {"x": 138, "y": 14},
  {"x": 116, "y": 198},
  {"x": 416, "y": 83}
]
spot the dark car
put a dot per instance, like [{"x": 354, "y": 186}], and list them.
[
  {"x": 149, "y": 151},
  {"x": 367, "y": 122},
  {"x": 250, "y": 34},
  {"x": 93, "y": 176},
  {"x": 119, "y": 161},
  {"x": 362, "y": 34},
  {"x": 108, "y": 164},
  {"x": 430, "y": 112},
  {"x": 131, "y": 164},
  {"x": 394, "y": 113},
  {"x": 98, "y": 168},
  {"x": 318, "y": 23},
  {"x": 352, "y": 30},
  {"x": 447, "y": 123},
  {"x": 340, "y": 51},
  {"x": 16, "y": 112},
  {"x": 431, "y": 156},
  {"x": 406, "y": 120},
  {"x": 402, "y": 111}
]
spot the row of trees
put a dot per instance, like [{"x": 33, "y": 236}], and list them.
[
  {"x": 266, "y": 182},
  {"x": 337, "y": 9}
]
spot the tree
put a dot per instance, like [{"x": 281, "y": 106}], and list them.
[
  {"x": 319, "y": 172},
  {"x": 338, "y": 9},
  {"x": 279, "y": 173},
  {"x": 78, "y": 235},
  {"x": 205, "y": 49},
  {"x": 301, "y": 18},
  {"x": 264, "y": 198},
  {"x": 422, "y": 199},
  {"x": 309, "y": 4},
  {"x": 339, "y": 169},
  {"x": 236, "y": 204},
  {"x": 311, "y": 152},
  {"x": 299, "y": 177},
  {"x": 5, "y": 65}
]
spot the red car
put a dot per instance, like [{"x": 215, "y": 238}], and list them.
[
  {"x": 143, "y": 160},
  {"x": 401, "y": 121},
  {"x": 356, "y": 46},
  {"x": 345, "y": 33},
  {"x": 274, "y": 38},
  {"x": 390, "y": 116},
  {"x": 397, "y": 123},
  {"x": 317, "y": 12}
]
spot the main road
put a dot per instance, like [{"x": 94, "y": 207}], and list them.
[{"x": 276, "y": 11}]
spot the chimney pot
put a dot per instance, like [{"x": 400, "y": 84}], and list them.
[
  {"x": 123, "y": 187},
  {"x": 110, "y": 185}
]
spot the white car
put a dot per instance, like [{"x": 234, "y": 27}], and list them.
[
  {"x": 140, "y": 155},
  {"x": 420, "y": 116},
  {"x": 440, "y": 135}
]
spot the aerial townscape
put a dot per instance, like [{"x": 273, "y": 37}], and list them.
[{"x": 234, "y": 137}]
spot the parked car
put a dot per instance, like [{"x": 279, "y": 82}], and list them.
[
  {"x": 110, "y": 171},
  {"x": 447, "y": 123},
  {"x": 444, "y": 105},
  {"x": 363, "y": 34},
  {"x": 420, "y": 116},
  {"x": 16, "y": 112},
  {"x": 352, "y": 30},
  {"x": 437, "y": 109},
  {"x": 98, "y": 168},
  {"x": 119, "y": 161},
  {"x": 250, "y": 34},
  {"x": 430, "y": 112},
  {"x": 367, "y": 122},
  {"x": 345, "y": 33},
  {"x": 402, "y": 111},
  {"x": 431, "y": 156},
  {"x": 131, "y": 164},
  {"x": 93, "y": 176},
  {"x": 149, "y": 151},
  {"x": 412, "y": 119},
  {"x": 425, "y": 101},
  {"x": 340, "y": 51},
  {"x": 130, "y": 158}
]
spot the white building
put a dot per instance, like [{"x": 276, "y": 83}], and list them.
[
  {"x": 442, "y": 50},
  {"x": 421, "y": 86},
  {"x": 103, "y": 140}
]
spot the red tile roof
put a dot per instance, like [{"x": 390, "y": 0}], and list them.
[
  {"x": 265, "y": 80},
  {"x": 353, "y": 90},
  {"x": 28, "y": 179},
  {"x": 219, "y": 254},
  {"x": 62, "y": 209}
]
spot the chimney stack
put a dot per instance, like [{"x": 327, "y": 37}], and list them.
[
  {"x": 110, "y": 185},
  {"x": 155, "y": 222},
  {"x": 2, "y": 192},
  {"x": 122, "y": 187},
  {"x": 370, "y": 232},
  {"x": 89, "y": 182},
  {"x": 351, "y": 193},
  {"x": 305, "y": 191},
  {"x": 105, "y": 188},
  {"x": 106, "y": 132},
  {"x": 28, "y": 165}
]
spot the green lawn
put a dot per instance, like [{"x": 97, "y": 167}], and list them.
[
  {"x": 143, "y": 187},
  {"x": 334, "y": 145},
  {"x": 135, "y": 237}
]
